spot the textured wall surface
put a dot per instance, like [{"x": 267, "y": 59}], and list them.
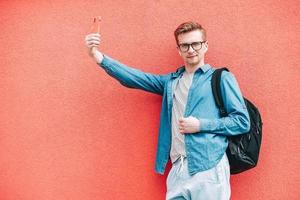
[{"x": 69, "y": 131}]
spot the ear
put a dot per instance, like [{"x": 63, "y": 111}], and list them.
[{"x": 206, "y": 45}]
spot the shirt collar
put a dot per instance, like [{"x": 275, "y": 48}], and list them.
[
  {"x": 204, "y": 68},
  {"x": 180, "y": 70}
]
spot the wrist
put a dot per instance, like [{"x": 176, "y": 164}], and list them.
[{"x": 97, "y": 55}]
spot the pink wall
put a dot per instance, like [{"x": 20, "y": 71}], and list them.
[{"x": 68, "y": 131}]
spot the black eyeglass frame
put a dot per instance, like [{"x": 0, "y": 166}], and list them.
[{"x": 191, "y": 45}]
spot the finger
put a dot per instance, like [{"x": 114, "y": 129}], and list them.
[
  {"x": 93, "y": 38},
  {"x": 97, "y": 35},
  {"x": 89, "y": 36},
  {"x": 93, "y": 42},
  {"x": 180, "y": 121},
  {"x": 94, "y": 45},
  {"x": 181, "y": 128},
  {"x": 91, "y": 46}
]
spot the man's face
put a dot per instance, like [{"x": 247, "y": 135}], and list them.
[{"x": 191, "y": 56}]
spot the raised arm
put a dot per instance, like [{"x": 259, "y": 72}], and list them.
[{"x": 127, "y": 76}]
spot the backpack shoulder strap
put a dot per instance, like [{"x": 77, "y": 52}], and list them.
[{"x": 216, "y": 89}]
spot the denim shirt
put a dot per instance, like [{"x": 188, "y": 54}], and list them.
[{"x": 204, "y": 149}]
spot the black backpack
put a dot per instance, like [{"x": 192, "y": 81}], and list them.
[{"x": 243, "y": 149}]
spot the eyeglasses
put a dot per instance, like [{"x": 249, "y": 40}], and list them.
[{"x": 184, "y": 47}]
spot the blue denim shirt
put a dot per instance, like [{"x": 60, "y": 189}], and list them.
[{"x": 205, "y": 148}]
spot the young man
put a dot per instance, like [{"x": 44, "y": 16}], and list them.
[{"x": 191, "y": 133}]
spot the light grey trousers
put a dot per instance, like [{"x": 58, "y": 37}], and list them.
[{"x": 212, "y": 184}]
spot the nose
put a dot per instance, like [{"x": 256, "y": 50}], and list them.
[{"x": 190, "y": 49}]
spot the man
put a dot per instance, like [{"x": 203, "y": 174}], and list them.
[{"x": 192, "y": 134}]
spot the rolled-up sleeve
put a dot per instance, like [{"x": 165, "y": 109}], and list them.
[{"x": 237, "y": 121}]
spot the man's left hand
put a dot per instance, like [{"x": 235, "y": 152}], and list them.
[{"x": 189, "y": 125}]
